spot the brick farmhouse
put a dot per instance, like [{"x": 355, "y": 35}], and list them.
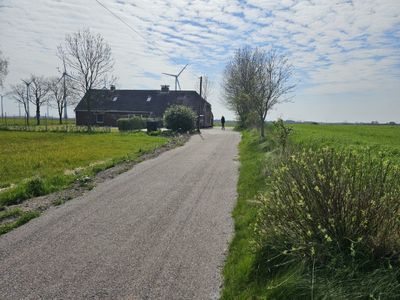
[{"x": 106, "y": 106}]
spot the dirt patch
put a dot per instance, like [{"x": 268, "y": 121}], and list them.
[{"x": 83, "y": 185}]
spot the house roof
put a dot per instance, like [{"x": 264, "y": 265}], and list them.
[{"x": 152, "y": 101}]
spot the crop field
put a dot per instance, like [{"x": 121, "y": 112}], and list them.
[
  {"x": 54, "y": 156},
  {"x": 334, "y": 257},
  {"x": 228, "y": 123},
  {"x": 377, "y": 137}
]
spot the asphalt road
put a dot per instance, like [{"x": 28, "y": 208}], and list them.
[{"x": 158, "y": 231}]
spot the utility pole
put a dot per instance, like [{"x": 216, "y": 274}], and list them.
[
  {"x": 27, "y": 99},
  {"x": 201, "y": 85},
  {"x": 65, "y": 92},
  {"x": 201, "y": 99},
  {"x": 2, "y": 111},
  {"x": 65, "y": 99}
]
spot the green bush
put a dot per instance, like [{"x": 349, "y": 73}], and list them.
[
  {"x": 35, "y": 187},
  {"x": 330, "y": 207},
  {"x": 132, "y": 123},
  {"x": 282, "y": 132},
  {"x": 180, "y": 118}
]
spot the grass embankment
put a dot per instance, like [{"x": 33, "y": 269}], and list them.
[
  {"x": 238, "y": 271},
  {"x": 37, "y": 163},
  {"x": 292, "y": 243}
]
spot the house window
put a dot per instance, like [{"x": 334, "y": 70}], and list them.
[
  {"x": 148, "y": 98},
  {"x": 100, "y": 118}
]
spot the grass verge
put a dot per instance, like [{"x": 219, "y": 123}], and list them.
[
  {"x": 239, "y": 282},
  {"x": 256, "y": 273},
  {"x": 18, "y": 216}
]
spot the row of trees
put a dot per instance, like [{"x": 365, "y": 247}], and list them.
[
  {"x": 254, "y": 82},
  {"x": 89, "y": 62},
  {"x": 39, "y": 90}
]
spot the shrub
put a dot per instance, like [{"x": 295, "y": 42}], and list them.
[
  {"x": 132, "y": 123},
  {"x": 35, "y": 187},
  {"x": 330, "y": 207},
  {"x": 180, "y": 118},
  {"x": 282, "y": 133}
]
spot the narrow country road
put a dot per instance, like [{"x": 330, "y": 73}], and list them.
[{"x": 158, "y": 231}]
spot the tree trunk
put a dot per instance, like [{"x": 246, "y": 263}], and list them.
[
  {"x": 262, "y": 121},
  {"x": 60, "y": 117},
  {"x": 37, "y": 114},
  {"x": 89, "y": 116}
]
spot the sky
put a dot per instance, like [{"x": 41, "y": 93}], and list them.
[{"x": 345, "y": 54}]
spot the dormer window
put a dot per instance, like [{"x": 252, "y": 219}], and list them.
[{"x": 148, "y": 99}]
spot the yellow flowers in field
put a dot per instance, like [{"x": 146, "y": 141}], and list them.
[{"x": 326, "y": 202}]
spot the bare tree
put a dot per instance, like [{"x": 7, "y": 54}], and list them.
[
  {"x": 19, "y": 94},
  {"x": 39, "y": 88},
  {"x": 89, "y": 58},
  {"x": 3, "y": 69},
  {"x": 255, "y": 81},
  {"x": 56, "y": 96}
]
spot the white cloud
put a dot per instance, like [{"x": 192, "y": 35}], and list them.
[{"x": 346, "y": 47}]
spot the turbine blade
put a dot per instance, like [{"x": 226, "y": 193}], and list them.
[
  {"x": 182, "y": 69},
  {"x": 179, "y": 85},
  {"x": 168, "y": 74}
]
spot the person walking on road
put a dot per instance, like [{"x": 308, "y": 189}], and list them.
[{"x": 223, "y": 122}]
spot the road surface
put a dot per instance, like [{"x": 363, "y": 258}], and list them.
[{"x": 158, "y": 231}]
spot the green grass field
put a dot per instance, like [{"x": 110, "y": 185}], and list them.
[
  {"x": 10, "y": 121},
  {"x": 53, "y": 156},
  {"x": 228, "y": 123},
  {"x": 243, "y": 278},
  {"x": 377, "y": 137}
]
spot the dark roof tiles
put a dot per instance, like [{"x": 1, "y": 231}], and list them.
[{"x": 154, "y": 101}]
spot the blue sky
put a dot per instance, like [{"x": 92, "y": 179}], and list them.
[{"x": 346, "y": 54}]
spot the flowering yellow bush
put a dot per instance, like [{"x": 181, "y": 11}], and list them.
[{"x": 326, "y": 204}]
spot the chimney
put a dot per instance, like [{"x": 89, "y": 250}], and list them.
[
  {"x": 112, "y": 87},
  {"x": 165, "y": 88}
]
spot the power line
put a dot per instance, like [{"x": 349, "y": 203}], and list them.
[{"x": 142, "y": 36}]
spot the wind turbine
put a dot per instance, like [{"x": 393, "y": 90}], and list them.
[
  {"x": 2, "y": 110},
  {"x": 27, "y": 83},
  {"x": 177, "y": 84}
]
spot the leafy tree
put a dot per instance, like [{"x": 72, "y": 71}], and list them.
[
  {"x": 180, "y": 118},
  {"x": 254, "y": 82}
]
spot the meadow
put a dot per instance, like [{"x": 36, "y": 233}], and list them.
[
  {"x": 17, "y": 121},
  {"x": 53, "y": 158},
  {"x": 290, "y": 242},
  {"x": 384, "y": 138}
]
